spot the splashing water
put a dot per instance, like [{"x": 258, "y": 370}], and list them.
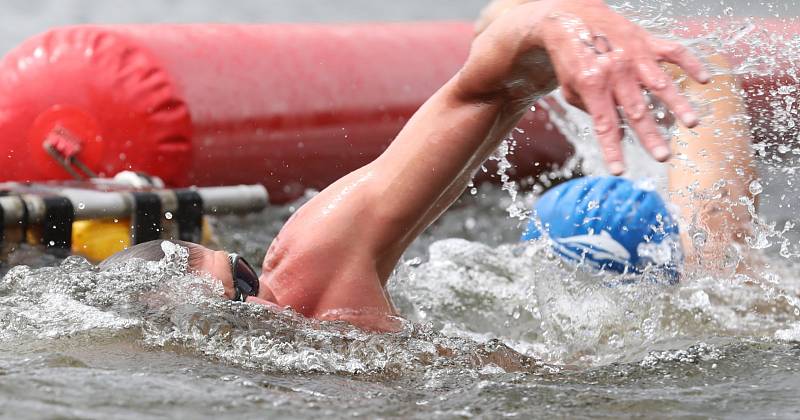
[
  {"x": 494, "y": 327},
  {"x": 481, "y": 316}
]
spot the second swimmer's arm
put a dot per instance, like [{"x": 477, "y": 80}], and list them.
[{"x": 712, "y": 169}]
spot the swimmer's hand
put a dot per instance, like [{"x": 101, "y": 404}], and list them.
[{"x": 601, "y": 60}]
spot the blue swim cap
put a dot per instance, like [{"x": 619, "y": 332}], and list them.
[{"x": 608, "y": 223}]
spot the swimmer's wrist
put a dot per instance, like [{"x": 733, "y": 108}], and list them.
[{"x": 510, "y": 60}]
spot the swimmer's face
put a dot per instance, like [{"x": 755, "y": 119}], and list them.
[
  {"x": 202, "y": 260},
  {"x": 217, "y": 264}
]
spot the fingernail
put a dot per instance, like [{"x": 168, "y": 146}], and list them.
[
  {"x": 690, "y": 119},
  {"x": 661, "y": 153},
  {"x": 616, "y": 168}
]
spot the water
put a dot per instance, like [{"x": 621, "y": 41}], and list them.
[
  {"x": 146, "y": 340},
  {"x": 495, "y": 329}
]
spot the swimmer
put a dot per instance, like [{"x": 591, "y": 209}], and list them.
[
  {"x": 616, "y": 225},
  {"x": 333, "y": 257}
]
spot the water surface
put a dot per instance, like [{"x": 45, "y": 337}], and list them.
[{"x": 495, "y": 328}]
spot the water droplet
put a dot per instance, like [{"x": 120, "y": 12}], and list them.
[
  {"x": 168, "y": 215},
  {"x": 81, "y": 206},
  {"x": 785, "y": 252},
  {"x": 756, "y": 188},
  {"x": 699, "y": 239},
  {"x": 470, "y": 223}
]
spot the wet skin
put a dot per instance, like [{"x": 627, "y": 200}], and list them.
[
  {"x": 333, "y": 258},
  {"x": 217, "y": 265},
  {"x": 714, "y": 160}
]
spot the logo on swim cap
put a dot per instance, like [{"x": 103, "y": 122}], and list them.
[
  {"x": 601, "y": 247},
  {"x": 608, "y": 223}
]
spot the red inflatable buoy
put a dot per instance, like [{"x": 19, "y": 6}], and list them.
[{"x": 289, "y": 106}]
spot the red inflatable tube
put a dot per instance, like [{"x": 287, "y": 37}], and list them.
[{"x": 289, "y": 106}]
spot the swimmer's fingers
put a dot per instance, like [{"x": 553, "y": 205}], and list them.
[
  {"x": 629, "y": 95},
  {"x": 661, "y": 85},
  {"x": 675, "y": 53},
  {"x": 600, "y": 105},
  {"x": 588, "y": 82}
]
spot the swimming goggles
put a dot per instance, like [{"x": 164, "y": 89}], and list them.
[{"x": 245, "y": 279}]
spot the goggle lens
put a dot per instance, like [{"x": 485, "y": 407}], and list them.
[{"x": 245, "y": 279}]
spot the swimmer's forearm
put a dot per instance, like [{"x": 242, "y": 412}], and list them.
[
  {"x": 708, "y": 155},
  {"x": 433, "y": 159},
  {"x": 436, "y": 154},
  {"x": 375, "y": 212},
  {"x": 360, "y": 225}
]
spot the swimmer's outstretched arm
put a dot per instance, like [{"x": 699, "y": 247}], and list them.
[
  {"x": 712, "y": 167},
  {"x": 333, "y": 257}
]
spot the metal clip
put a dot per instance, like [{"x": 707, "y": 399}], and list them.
[{"x": 64, "y": 147}]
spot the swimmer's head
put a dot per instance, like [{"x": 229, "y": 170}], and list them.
[
  {"x": 609, "y": 224},
  {"x": 153, "y": 251},
  {"x": 229, "y": 269}
]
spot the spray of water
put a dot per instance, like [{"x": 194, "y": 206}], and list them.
[{"x": 478, "y": 304}]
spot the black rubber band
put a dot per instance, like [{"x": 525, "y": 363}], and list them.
[
  {"x": 189, "y": 216},
  {"x": 3, "y": 193},
  {"x": 57, "y": 223},
  {"x": 24, "y": 223},
  {"x": 2, "y": 226},
  {"x": 146, "y": 217}
]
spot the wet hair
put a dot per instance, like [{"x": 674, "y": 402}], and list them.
[{"x": 151, "y": 251}]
